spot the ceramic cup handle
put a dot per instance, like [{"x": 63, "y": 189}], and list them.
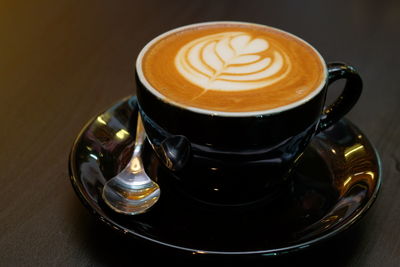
[{"x": 347, "y": 99}]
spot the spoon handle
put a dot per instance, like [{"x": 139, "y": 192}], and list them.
[
  {"x": 135, "y": 165},
  {"x": 140, "y": 134}
]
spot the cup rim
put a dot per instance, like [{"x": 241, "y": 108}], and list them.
[{"x": 151, "y": 89}]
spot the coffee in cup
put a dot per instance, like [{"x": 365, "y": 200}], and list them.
[{"x": 232, "y": 67}]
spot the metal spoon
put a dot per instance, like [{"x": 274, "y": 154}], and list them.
[{"x": 132, "y": 191}]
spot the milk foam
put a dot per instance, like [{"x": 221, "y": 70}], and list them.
[{"x": 231, "y": 61}]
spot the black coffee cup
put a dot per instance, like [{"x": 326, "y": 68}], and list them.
[{"x": 238, "y": 158}]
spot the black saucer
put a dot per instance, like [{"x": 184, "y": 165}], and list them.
[{"x": 336, "y": 182}]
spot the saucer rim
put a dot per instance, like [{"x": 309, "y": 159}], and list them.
[{"x": 98, "y": 212}]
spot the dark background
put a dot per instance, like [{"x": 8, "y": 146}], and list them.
[{"x": 62, "y": 62}]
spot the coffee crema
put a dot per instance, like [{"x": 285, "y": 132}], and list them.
[{"x": 232, "y": 67}]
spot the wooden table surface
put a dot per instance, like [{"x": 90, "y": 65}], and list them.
[{"x": 62, "y": 62}]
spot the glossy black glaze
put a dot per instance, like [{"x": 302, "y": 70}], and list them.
[
  {"x": 335, "y": 183},
  {"x": 220, "y": 133},
  {"x": 240, "y": 159}
]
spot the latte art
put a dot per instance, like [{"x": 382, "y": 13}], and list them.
[{"x": 231, "y": 61}]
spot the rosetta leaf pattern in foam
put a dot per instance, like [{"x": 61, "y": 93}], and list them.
[{"x": 230, "y": 61}]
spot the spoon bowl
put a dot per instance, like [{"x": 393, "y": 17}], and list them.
[{"x": 132, "y": 191}]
